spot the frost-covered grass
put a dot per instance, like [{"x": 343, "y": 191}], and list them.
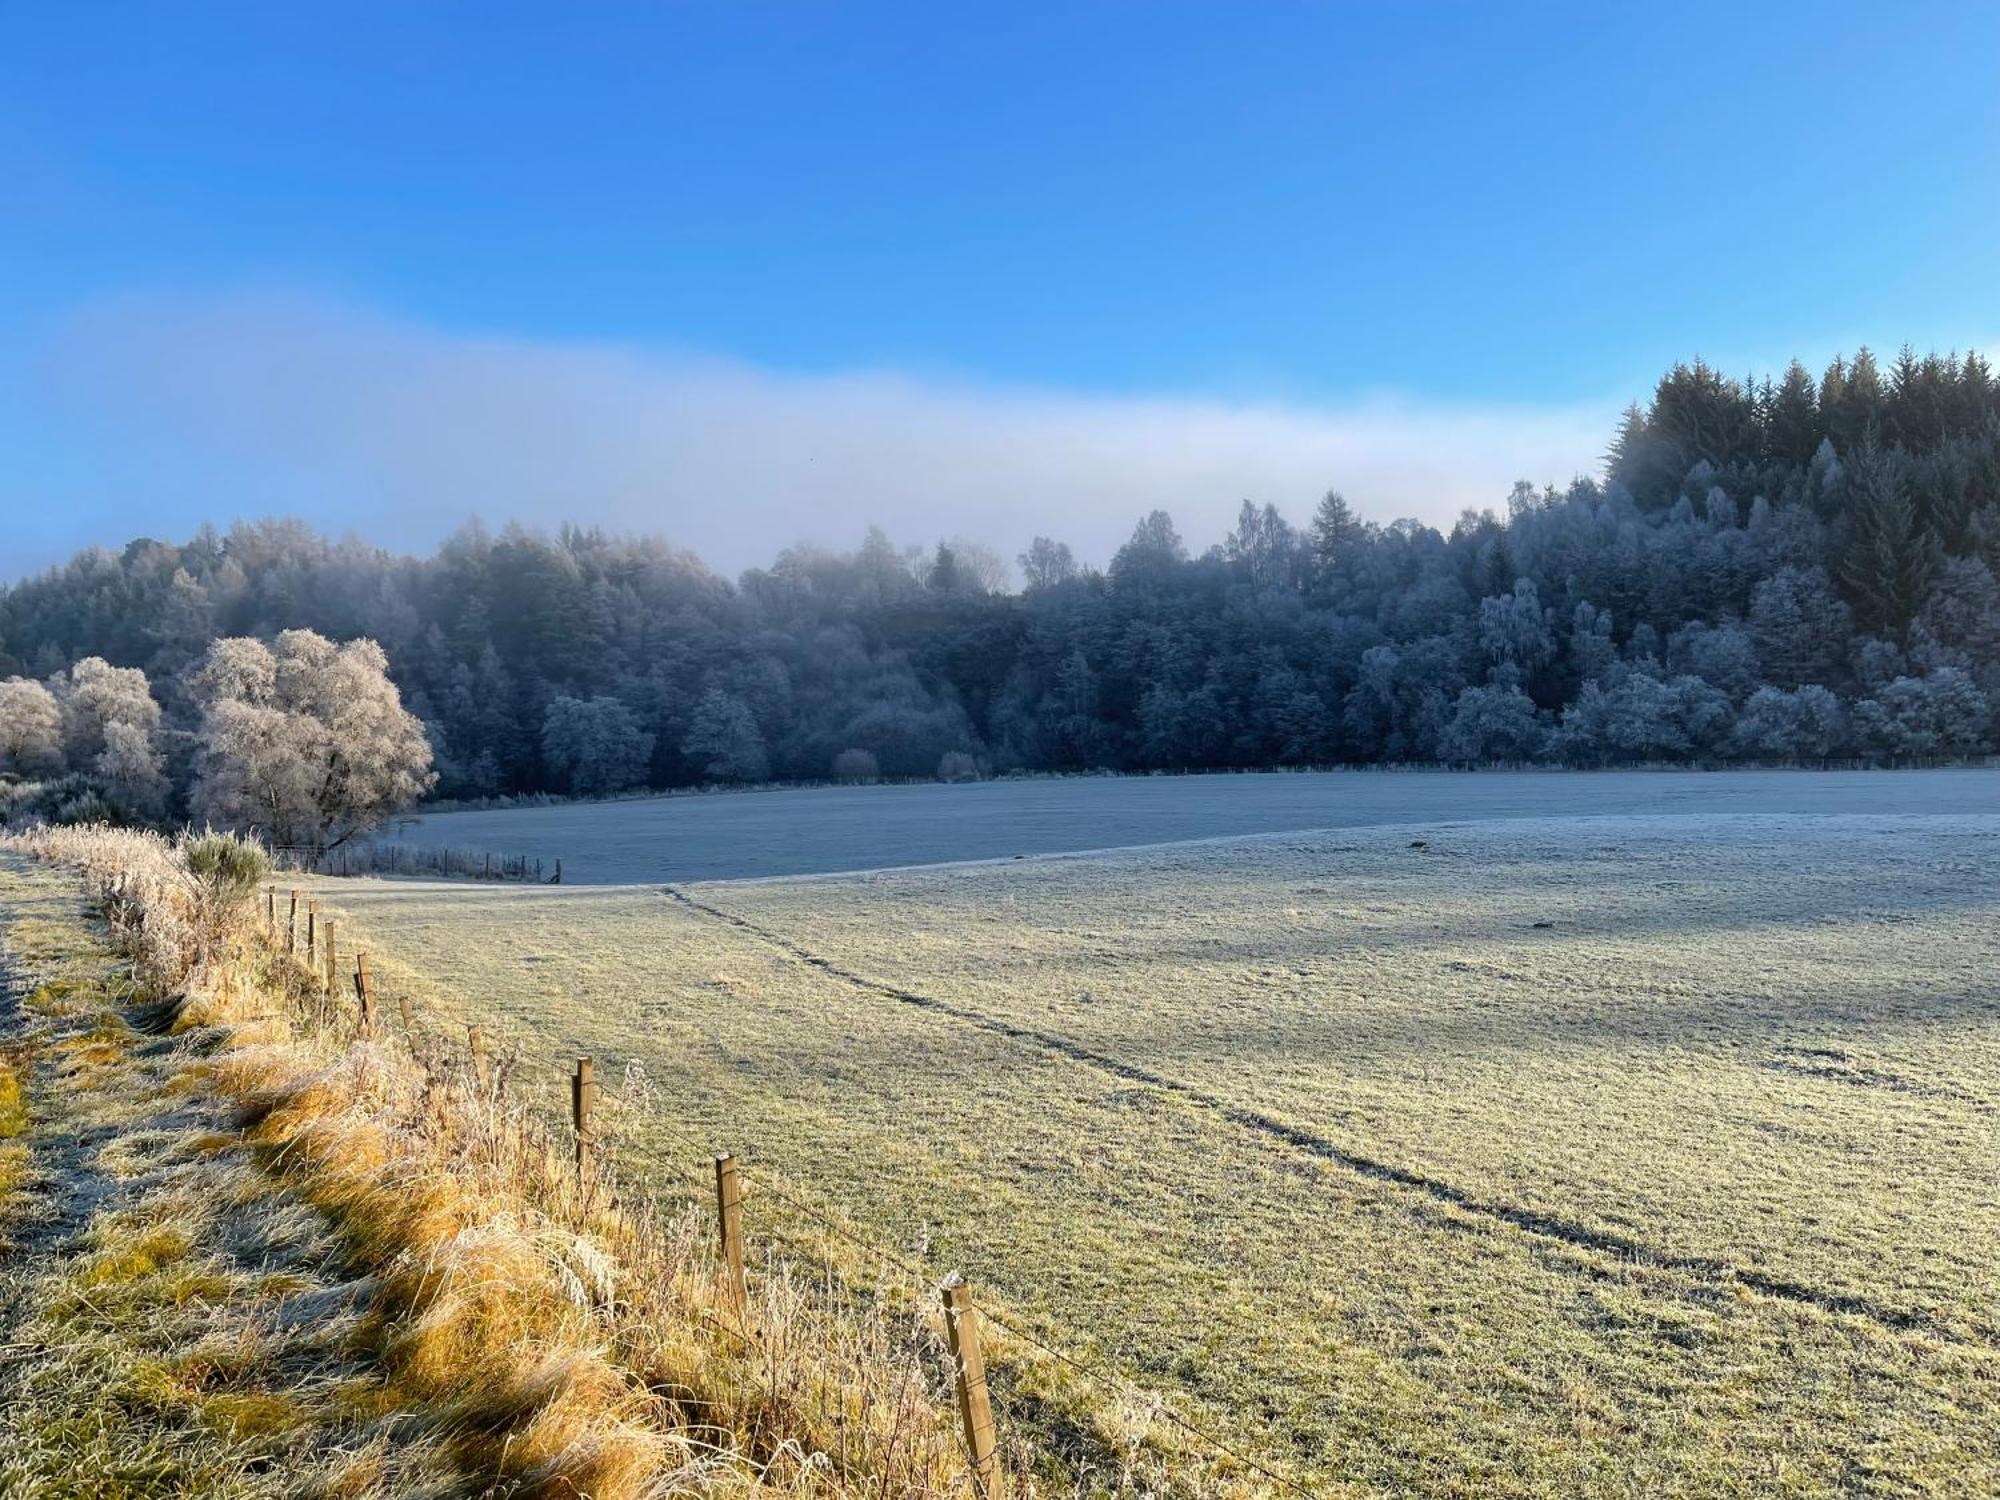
[
  {"x": 1694, "y": 1188},
  {"x": 820, "y": 830},
  {"x": 467, "y": 1311}
]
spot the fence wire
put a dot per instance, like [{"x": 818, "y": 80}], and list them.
[{"x": 921, "y": 1278}]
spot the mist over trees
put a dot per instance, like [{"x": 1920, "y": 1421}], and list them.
[{"x": 1789, "y": 569}]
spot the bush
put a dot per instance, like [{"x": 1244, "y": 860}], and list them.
[
  {"x": 228, "y": 868},
  {"x": 856, "y": 765},
  {"x": 87, "y": 808},
  {"x": 223, "y": 873},
  {"x": 956, "y": 765},
  {"x": 1941, "y": 714}
]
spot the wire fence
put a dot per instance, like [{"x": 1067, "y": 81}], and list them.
[
  {"x": 920, "y": 1280},
  {"x": 377, "y": 858}
]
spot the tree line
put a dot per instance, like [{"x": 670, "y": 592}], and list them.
[{"x": 1796, "y": 568}]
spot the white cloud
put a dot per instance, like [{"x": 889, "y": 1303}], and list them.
[{"x": 199, "y": 406}]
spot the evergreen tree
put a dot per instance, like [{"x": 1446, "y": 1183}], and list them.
[{"x": 1890, "y": 556}]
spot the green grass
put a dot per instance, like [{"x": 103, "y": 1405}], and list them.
[{"x": 1695, "y": 1189}]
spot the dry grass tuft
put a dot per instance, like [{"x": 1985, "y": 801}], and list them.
[
  {"x": 13, "y": 1102},
  {"x": 551, "y": 1333}
]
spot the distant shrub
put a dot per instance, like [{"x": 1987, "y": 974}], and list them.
[
  {"x": 1943, "y": 713},
  {"x": 87, "y": 808},
  {"x": 23, "y": 802},
  {"x": 856, "y": 765},
  {"x": 956, "y": 765}
]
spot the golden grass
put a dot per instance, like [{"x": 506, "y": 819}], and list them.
[
  {"x": 548, "y": 1338},
  {"x": 13, "y": 1102},
  {"x": 1694, "y": 1189}
]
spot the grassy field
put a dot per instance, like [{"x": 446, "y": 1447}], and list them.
[
  {"x": 824, "y": 830},
  {"x": 1598, "y": 1155}
]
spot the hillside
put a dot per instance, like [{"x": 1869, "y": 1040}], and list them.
[{"x": 1787, "y": 570}]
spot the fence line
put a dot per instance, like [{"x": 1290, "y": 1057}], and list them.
[
  {"x": 960, "y": 1318},
  {"x": 409, "y": 859}
]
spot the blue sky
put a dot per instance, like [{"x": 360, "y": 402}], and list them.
[{"x": 739, "y": 272}]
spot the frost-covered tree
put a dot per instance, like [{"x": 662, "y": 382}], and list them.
[
  {"x": 724, "y": 740},
  {"x": 956, "y": 765},
  {"x": 1336, "y": 543},
  {"x": 596, "y": 745},
  {"x": 1494, "y": 722},
  {"x": 1720, "y": 655},
  {"x": 1514, "y": 631},
  {"x": 111, "y": 735},
  {"x": 304, "y": 741},
  {"x": 31, "y": 729},
  {"x": 1154, "y": 549},
  {"x": 906, "y": 733},
  {"x": 853, "y": 764},
  {"x": 1941, "y": 714},
  {"x": 1643, "y": 718},
  {"x": 1726, "y": 506},
  {"x": 1047, "y": 564},
  {"x": 1804, "y": 723},
  {"x": 1891, "y": 554},
  {"x": 1799, "y": 627},
  {"x": 95, "y": 695},
  {"x": 130, "y": 771},
  {"x": 1071, "y": 730},
  {"x": 1593, "y": 651},
  {"x": 980, "y": 569},
  {"x": 1263, "y": 547}
]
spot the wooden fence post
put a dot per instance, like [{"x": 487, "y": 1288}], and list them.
[
  {"x": 271, "y": 910},
  {"x": 312, "y": 934},
  {"x": 292, "y": 925},
  {"x": 332, "y": 970},
  {"x": 476, "y": 1040},
  {"x": 582, "y": 1101},
  {"x": 975, "y": 1407},
  {"x": 729, "y": 1212},
  {"x": 489, "y": 865},
  {"x": 364, "y": 993}
]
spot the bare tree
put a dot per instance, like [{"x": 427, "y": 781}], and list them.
[
  {"x": 304, "y": 741},
  {"x": 980, "y": 567},
  {"x": 1047, "y": 563}
]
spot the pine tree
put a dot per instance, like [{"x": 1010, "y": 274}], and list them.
[
  {"x": 1333, "y": 542},
  {"x": 1890, "y": 556},
  {"x": 1793, "y": 420}
]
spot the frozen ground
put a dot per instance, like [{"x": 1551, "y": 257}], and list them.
[
  {"x": 736, "y": 835},
  {"x": 1569, "y": 1153}
]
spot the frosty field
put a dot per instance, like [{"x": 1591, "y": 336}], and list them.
[
  {"x": 1594, "y": 1153},
  {"x": 733, "y": 835}
]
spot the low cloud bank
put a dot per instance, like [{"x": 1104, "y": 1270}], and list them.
[{"x": 169, "y": 410}]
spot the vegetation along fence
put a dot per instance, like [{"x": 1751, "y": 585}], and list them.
[
  {"x": 408, "y": 859},
  {"x": 298, "y": 927}
]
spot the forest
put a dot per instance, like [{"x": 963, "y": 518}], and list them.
[{"x": 1778, "y": 570}]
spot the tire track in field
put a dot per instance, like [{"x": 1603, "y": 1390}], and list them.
[{"x": 1549, "y": 1226}]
